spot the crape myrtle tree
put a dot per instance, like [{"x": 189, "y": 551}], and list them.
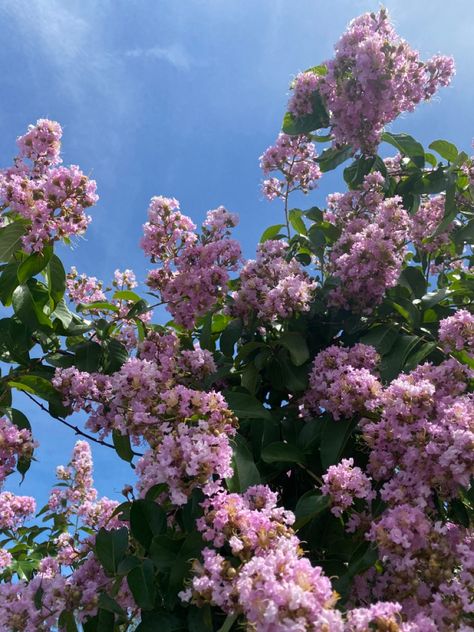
[{"x": 301, "y": 433}]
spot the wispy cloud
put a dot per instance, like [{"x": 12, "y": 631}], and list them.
[{"x": 176, "y": 55}]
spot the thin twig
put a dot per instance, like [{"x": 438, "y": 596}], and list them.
[{"x": 76, "y": 429}]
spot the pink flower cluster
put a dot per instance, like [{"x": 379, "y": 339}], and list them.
[
  {"x": 14, "y": 509},
  {"x": 194, "y": 270},
  {"x": 84, "y": 289},
  {"x": 374, "y": 77},
  {"x": 368, "y": 256},
  {"x": 188, "y": 430},
  {"x": 342, "y": 382},
  {"x": 15, "y": 444},
  {"x": 426, "y": 221},
  {"x": 271, "y": 583},
  {"x": 427, "y": 566},
  {"x": 295, "y": 158},
  {"x": 271, "y": 287},
  {"x": 79, "y": 473},
  {"x": 52, "y": 199},
  {"x": 457, "y": 332},
  {"x": 425, "y": 435},
  {"x": 343, "y": 483}
]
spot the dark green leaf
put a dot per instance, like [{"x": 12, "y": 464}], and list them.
[
  {"x": 408, "y": 146},
  {"x": 27, "y": 308},
  {"x": 333, "y": 157},
  {"x": 310, "y": 505},
  {"x": 334, "y": 437},
  {"x": 122, "y": 445},
  {"x": 116, "y": 355},
  {"x": 56, "y": 276},
  {"x": 126, "y": 295},
  {"x": 393, "y": 363},
  {"x": 246, "y": 473},
  {"x": 141, "y": 581},
  {"x": 88, "y": 356},
  {"x": 147, "y": 519},
  {"x": 382, "y": 337},
  {"x": 230, "y": 336},
  {"x": 10, "y": 240},
  {"x": 282, "y": 452},
  {"x": 34, "y": 264},
  {"x": 296, "y": 345},
  {"x": 414, "y": 279},
  {"x": 246, "y": 406},
  {"x": 110, "y": 547},
  {"x": 8, "y": 282}
]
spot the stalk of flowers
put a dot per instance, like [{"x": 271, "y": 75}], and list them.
[
  {"x": 269, "y": 581},
  {"x": 342, "y": 381},
  {"x": 456, "y": 333},
  {"x": 343, "y": 483},
  {"x": 53, "y": 199},
  {"x": 295, "y": 158},
  {"x": 424, "y": 438},
  {"x": 426, "y": 221},
  {"x": 194, "y": 270},
  {"x": 373, "y": 78},
  {"x": 428, "y": 566},
  {"x": 367, "y": 258},
  {"x": 15, "y": 444},
  {"x": 188, "y": 430},
  {"x": 271, "y": 287}
]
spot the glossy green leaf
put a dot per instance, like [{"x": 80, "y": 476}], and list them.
[
  {"x": 271, "y": 232},
  {"x": 246, "y": 406},
  {"x": 141, "y": 581},
  {"x": 245, "y": 473},
  {"x": 10, "y": 240},
  {"x": 310, "y": 505},
  {"x": 230, "y": 336},
  {"x": 122, "y": 445},
  {"x": 445, "y": 149},
  {"x": 282, "y": 452},
  {"x": 296, "y": 345},
  {"x": 35, "y": 263},
  {"x": 408, "y": 146},
  {"x": 111, "y": 547},
  {"x": 147, "y": 519}
]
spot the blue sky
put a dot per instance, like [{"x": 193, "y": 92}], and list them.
[{"x": 180, "y": 98}]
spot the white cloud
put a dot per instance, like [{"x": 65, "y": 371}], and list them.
[{"x": 175, "y": 54}]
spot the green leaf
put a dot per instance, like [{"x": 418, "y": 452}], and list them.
[
  {"x": 122, "y": 445},
  {"x": 35, "y": 385},
  {"x": 19, "y": 419},
  {"x": 199, "y": 619},
  {"x": 163, "y": 551},
  {"x": 107, "y": 603},
  {"x": 393, "y": 363},
  {"x": 246, "y": 473},
  {"x": 295, "y": 218},
  {"x": 100, "y": 305},
  {"x": 14, "y": 337},
  {"x": 103, "y": 622},
  {"x": 408, "y": 146},
  {"x": 418, "y": 356},
  {"x": 10, "y": 240},
  {"x": 56, "y": 278},
  {"x": 161, "y": 621},
  {"x": 230, "y": 336},
  {"x": 446, "y": 150},
  {"x": 381, "y": 337},
  {"x": 332, "y": 157},
  {"x": 141, "y": 581},
  {"x": 190, "y": 549},
  {"x": 126, "y": 295},
  {"x": 282, "y": 452},
  {"x": 271, "y": 232},
  {"x": 111, "y": 547},
  {"x": 66, "y": 622},
  {"x": 8, "y": 282},
  {"x": 414, "y": 279},
  {"x": 296, "y": 345},
  {"x": 34, "y": 264},
  {"x": 318, "y": 119},
  {"x": 88, "y": 356},
  {"x": 147, "y": 519},
  {"x": 450, "y": 209},
  {"x": 116, "y": 355},
  {"x": 310, "y": 505},
  {"x": 334, "y": 438},
  {"x": 246, "y": 406},
  {"x": 407, "y": 309},
  {"x": 28, "y": 310}
]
